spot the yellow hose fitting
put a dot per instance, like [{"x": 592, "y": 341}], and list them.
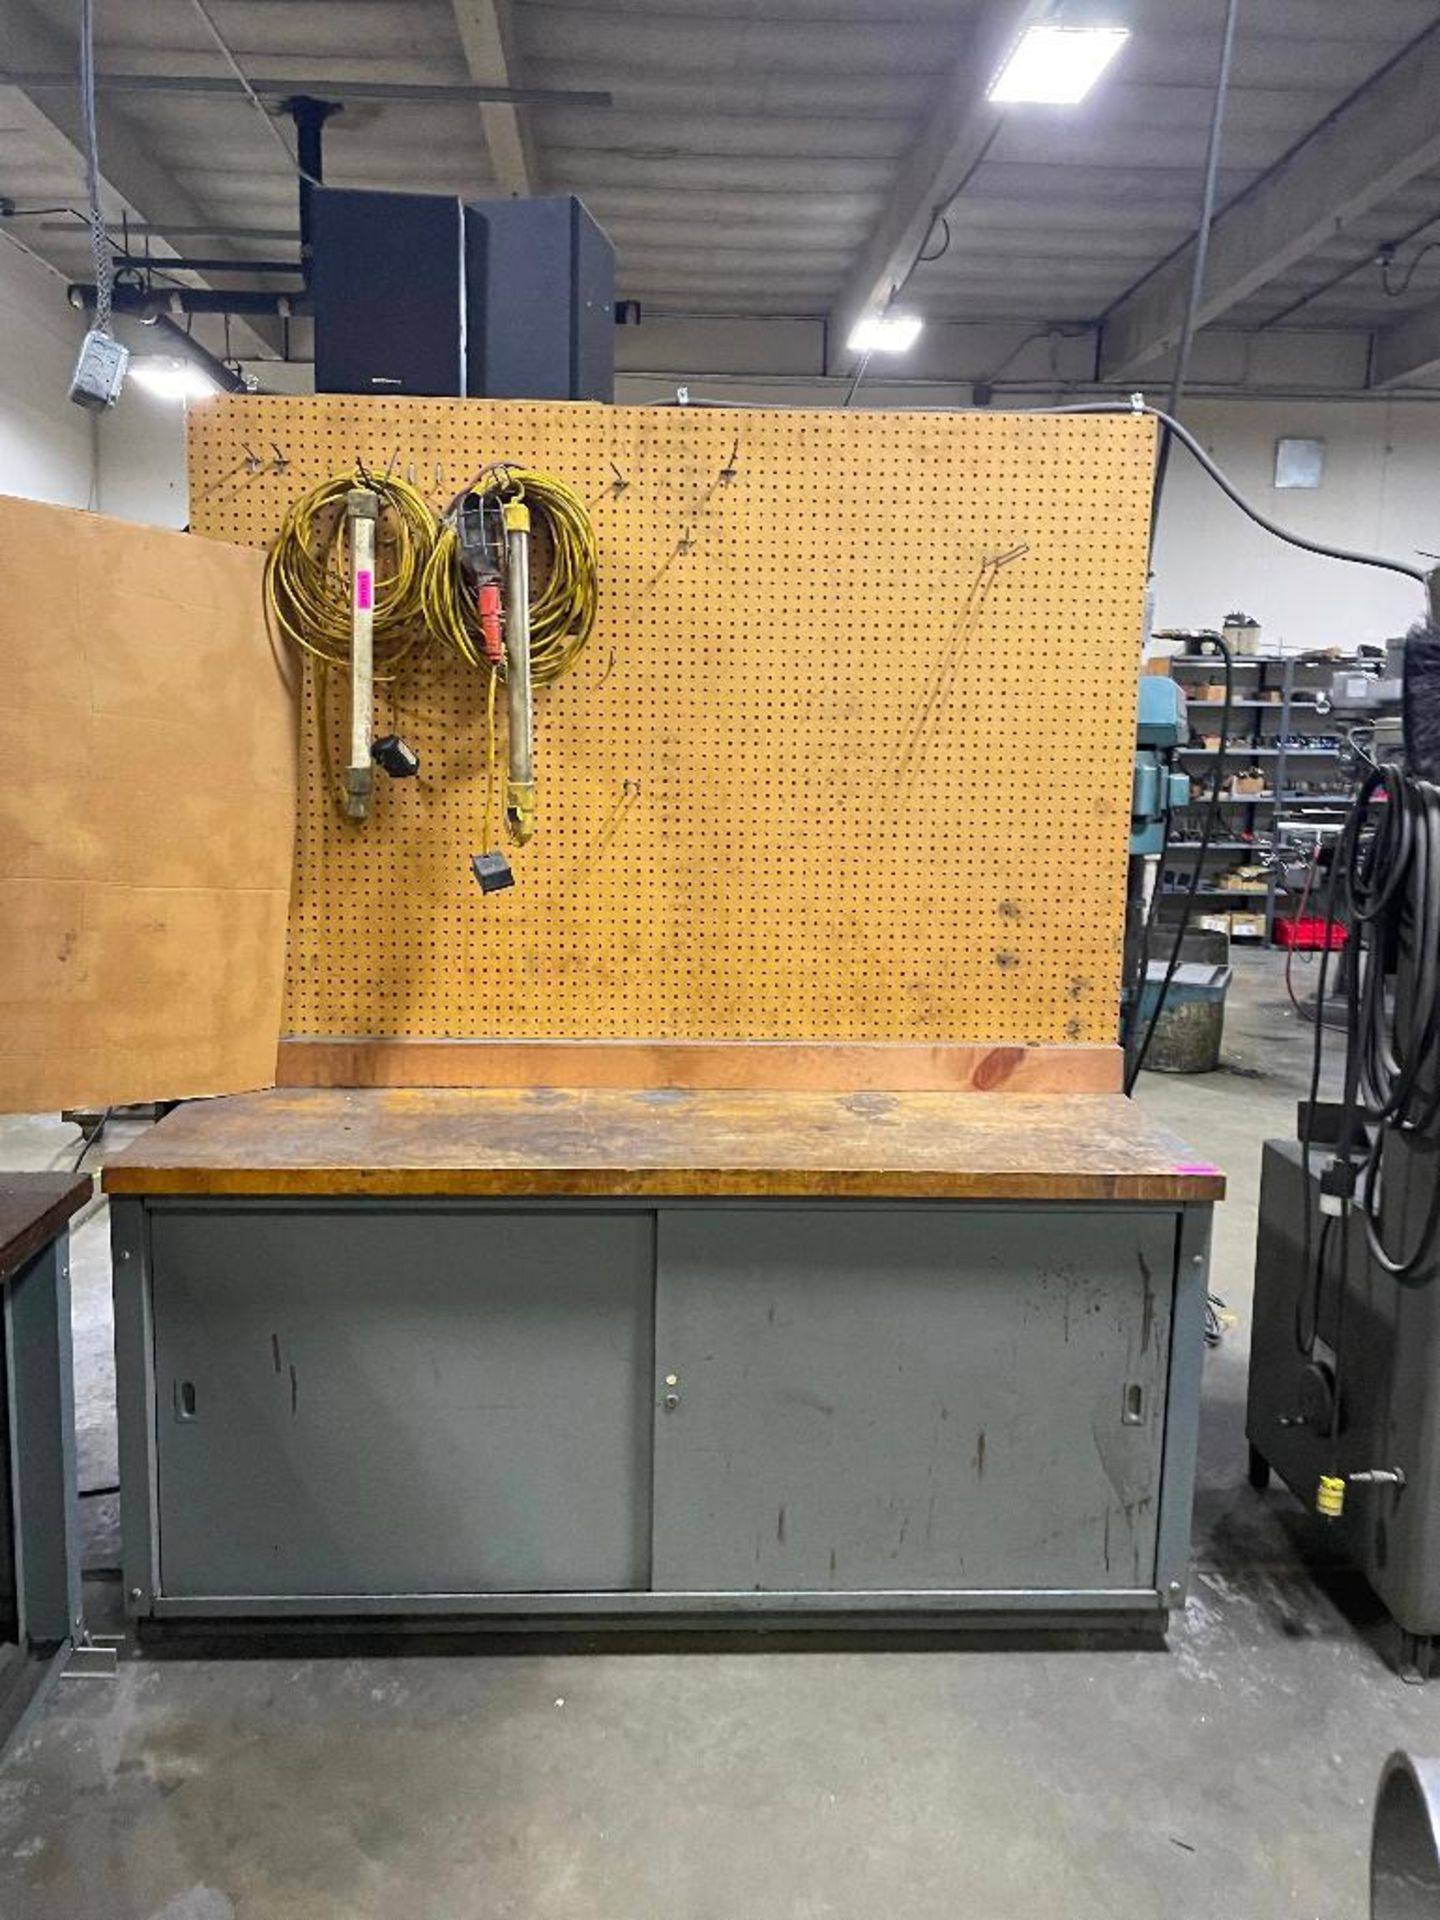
[
  {"x": 1330, "y": 1496},
  {"x": 517, "y": 516}
]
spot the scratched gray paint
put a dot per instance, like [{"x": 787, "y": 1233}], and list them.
[
  {"x": 873, "y": 1399},
  {"x": 386, "y": 1406},
  {"x": 39, "y": 1403},
  {"x": 9, "y": 1617},
  {"x": 917, "y": 1397}
]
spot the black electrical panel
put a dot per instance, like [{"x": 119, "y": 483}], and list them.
[
  {"x": 387, "y": 280},
  {"x": 540, "y": 319}
]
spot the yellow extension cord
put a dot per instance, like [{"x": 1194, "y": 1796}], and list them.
[
  {"x": 422, "y": 593},
  {"x": 561, "y": 615},
  {"x": 307, "y": 572}
]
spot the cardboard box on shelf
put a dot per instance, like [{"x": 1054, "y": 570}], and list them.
[{"x": 1247, "y": 926}]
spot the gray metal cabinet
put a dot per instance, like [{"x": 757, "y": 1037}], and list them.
[
  {"x": 915, "y": 1398},
  {"x": 386, "y": 1402},
  {"x": 693, "y": 1407}
]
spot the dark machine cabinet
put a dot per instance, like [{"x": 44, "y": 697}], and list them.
[
  {"x": 388, "y": 286},
  {"x": 1388, "y": 1413},
  {"x": 540, "y": 315}
]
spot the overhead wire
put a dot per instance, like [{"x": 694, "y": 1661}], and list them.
[
  {"x": 1389, "y": 287},
  {"x": 95, "y": 218},
  {"x": 1356, "y": 556},
  {"x": 1207, "y": 208},
  {"x": 222, "y": 47},
  {"x": 1190, "y": 325}
]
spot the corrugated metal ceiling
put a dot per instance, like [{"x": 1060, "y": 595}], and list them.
[{"x": 751, "y": 147}]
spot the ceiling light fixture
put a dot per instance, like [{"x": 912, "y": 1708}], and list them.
[
  {"x": 885, "y": 333},
  {"x": 1055, "y": 66},
  {"x": 172, "y": 378}
]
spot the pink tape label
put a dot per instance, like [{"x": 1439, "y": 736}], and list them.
[{"x": 365, "y": 590}]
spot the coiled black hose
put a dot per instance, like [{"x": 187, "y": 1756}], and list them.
[{"x": 1390, "y": 858}]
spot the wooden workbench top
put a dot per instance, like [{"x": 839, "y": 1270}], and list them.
[
  {"x": 34, "y": 1207},
  {"x": 444, "y": 1141}
]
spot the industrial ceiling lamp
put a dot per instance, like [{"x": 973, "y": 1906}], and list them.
[
  {"x": 1056, "y": 62},
  {"x": 172, "y": 377},
  {"x": 885, "y": 333}
]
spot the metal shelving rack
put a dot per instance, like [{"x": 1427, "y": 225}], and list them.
[{"x": 1288, "y": 795}]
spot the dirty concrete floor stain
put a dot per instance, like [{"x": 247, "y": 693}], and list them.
[{"x": 1233, "y": 1773}]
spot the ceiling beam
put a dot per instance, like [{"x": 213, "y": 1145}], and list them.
[
  {"x": 955, "y": 140},
  {"x": 1385, "y": 135},
  {"x": 1408, "y": 350},
  {"x": 388, "y": 92},
  {"x": 128, "y": 172},
  {"x": 487, "y": 34}
]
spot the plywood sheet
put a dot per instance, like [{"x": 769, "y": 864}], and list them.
[
  {"x": 833, "y": 769},
  {"x": 146, "y": 816}
]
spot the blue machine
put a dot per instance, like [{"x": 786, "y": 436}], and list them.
[{"x": 1157, "y": 787}]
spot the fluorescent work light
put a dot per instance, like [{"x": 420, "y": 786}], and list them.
[
  {"x": 885, "y": 333},
  {"x": 1056, "y": 66},
  {"x": 172, "y": 379}
]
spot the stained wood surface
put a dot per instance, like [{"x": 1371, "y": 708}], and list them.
[
  {"x": 588, "y": 1142},
  {"x": 34, "y": 1207},
  {"x": 766, "y": 1066}
]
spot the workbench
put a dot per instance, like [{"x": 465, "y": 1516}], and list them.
[{"x": 533, "y": 1356}]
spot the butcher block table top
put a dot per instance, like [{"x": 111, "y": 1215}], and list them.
[{"x": 437, "y": 1142}]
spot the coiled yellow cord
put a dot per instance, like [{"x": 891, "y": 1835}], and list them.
[
  {"x": 561, "y": 614},
  {"x": 307, "y": 575}
]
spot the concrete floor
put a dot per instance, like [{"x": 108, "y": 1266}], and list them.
[{"x": 1233, "y": 1773}]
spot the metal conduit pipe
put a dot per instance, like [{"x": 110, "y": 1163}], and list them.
[{"x": 519, "y": 697}]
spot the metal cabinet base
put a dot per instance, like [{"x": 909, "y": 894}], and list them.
[
  {"x": 1389, "y": 1414},
  {"x": 546, "y": 1411},
  {"x": 40, "y": 1607}
]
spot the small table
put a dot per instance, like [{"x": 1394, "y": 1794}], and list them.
[{"x": 39, "y": 1513}]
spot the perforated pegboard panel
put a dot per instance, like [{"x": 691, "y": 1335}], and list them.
[{"x": 825, "y": 772}]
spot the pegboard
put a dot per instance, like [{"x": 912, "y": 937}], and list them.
[{"x": 848, "y": 756}]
